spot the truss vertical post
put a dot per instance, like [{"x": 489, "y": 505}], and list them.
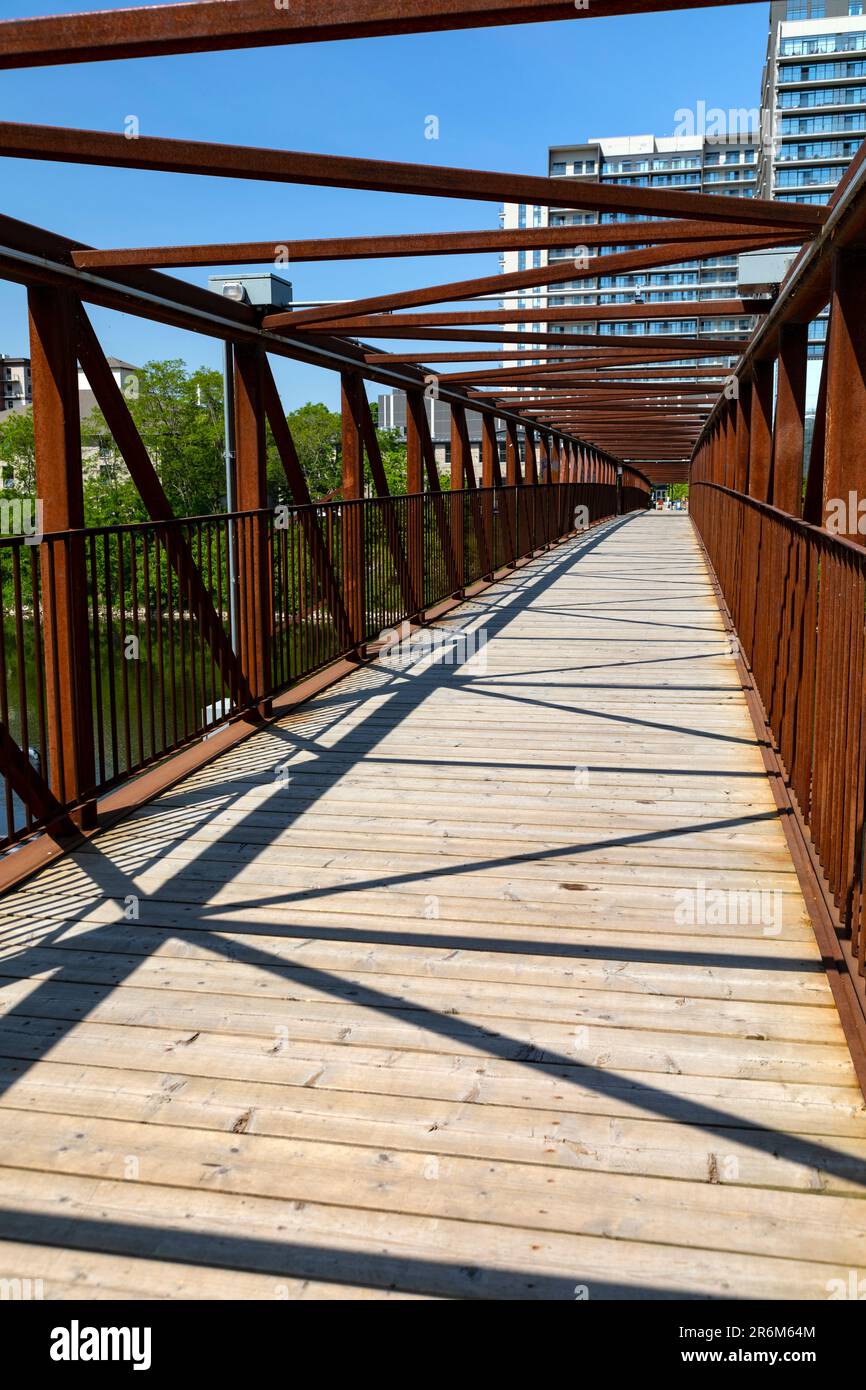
[
  {"x": 731, "y": 444},
  {"x": 744, "y": 417},
  {"x": 59, "y": 490},
  {"x": 491, "y": 478},
  {"x": 513, "y": 475},
  {"x": 789, "y": 426},
  {"x": 761, "y": 433},
  {"x": 415, "y": 408},
  {"x": 544, "y": 459},
  {"x": 255, "y": 587},
  {"x": 352, "y": 515},
  {"x": 462, "y": 486},
  {"x": 531, "y": 456},
  {"x": 844, "y": 458}
]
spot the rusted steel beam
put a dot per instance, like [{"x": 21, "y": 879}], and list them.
[
  {"x": 583, "y": 268},
  {"x": 419, "y": 424},
  {"x": 513, "y": 475},
  {"x": 596, "y": 429},
  {"x": 569, "y": 313},
  {"x": 531, "y": 456},
  {"x": 112, "y": 403},
  {"x": 731, "y": 443},
  {"x": 422, "y": 455},
  {"x": 589, "y": 370},
  {"x": 352, "y": 514},
  {"x": 462, "y": 476},
  {"x": 491, "y": 477},
  {"x": 390, "y": 326},
  {"x": 601, "y": 434},
  {"x": 292, "y": 252},
  {"x": 628, "y": 412},
  {"x": 761, "y": 440},
  {"x": 658, "y": 408},
  {"x": 20, "y": 141},
  {"x": 628, "y": 390},
  {"x": 422, "y": 327},
  {"x": 462, "y": 451},
  {"x": 30, "y": 785},
  {"x": 790, "y": 418},
  {"x": 844, "y": 454},
  {"x": 209, "y": 25},
  {"x": 255, "y": 588},
  {"x": 412, "y": 597},
  {"x": 320, "y": 556},
  {"x": 543, "y": 457},
  {"x": 34, "y": 256},
  {"x": 806, "y": 289},
  {"x": 479, "y": 318},
  {"x": 414, "y": 455},
  {"x": 744, "y": 418},
  {"x": 68, "y": 700},
  {"x": 591, "y": 357}
]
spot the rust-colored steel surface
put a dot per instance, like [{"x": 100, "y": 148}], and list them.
[
  {"x": 789, "y": 555},
  {"x": 207, "y": 25}
]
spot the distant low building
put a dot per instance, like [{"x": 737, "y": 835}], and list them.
[
  {"x": 392, "y": 416},
  {"x": 124, "y": 373},
  {"x": 16, "y": 391}
]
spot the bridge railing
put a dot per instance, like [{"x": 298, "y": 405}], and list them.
[
  {"x": 787, "y": 545},
  {"x": 797, "y": 598},
  {"x": 174, "y": 627}
]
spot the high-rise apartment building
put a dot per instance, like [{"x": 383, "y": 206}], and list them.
[
  {"x": 702, "y": 164},
  {"x": 813, "y": 99},
  {"x": 813, "y": 109}
]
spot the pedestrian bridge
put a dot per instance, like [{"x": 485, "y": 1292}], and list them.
[
  {"x": 482, "y": 978},
  {"x": 456, "y": 890}
]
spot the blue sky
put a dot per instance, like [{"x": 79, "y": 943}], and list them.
[{"x": 501, "y": 96}]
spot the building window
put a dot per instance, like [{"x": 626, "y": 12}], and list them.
[
  {"x": 855, "y": 6},
  {"x": 557, "y": 167}
]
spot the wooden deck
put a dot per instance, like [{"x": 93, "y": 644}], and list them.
[{"x": 424, "y": 1013}]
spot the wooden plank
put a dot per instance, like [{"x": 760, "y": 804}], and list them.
[
  {"x": 337, "y": 1128},
  {"x": 430, "y": 1007}
]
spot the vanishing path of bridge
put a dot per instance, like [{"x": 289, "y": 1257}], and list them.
[{"x": 419, "y": 1001}]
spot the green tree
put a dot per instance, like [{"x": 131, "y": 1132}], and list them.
[
  {"x": 179, "y": 415},
  {"x": 393, "y": 450},
  {"x": 18, "y": 451},
  {"x": 317, "y": 432}
]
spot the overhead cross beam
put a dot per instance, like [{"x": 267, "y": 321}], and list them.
[
  {"x": 386, "y": 326},
  {"x": 208, "y": 25},
  {"x": 109, "y": 148},
  {"x": 288, "y": 251},
  {"x": 583, "y": 268}
]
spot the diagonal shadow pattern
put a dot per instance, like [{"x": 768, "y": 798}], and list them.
[{"x": 489, "y": 1040}]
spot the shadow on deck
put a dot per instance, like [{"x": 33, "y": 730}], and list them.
[{"x": 486, "y": 977}]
